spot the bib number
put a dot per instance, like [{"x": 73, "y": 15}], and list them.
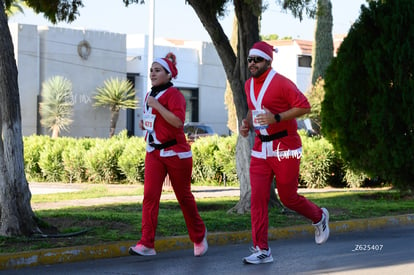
[{"x": 148, "y": 122}]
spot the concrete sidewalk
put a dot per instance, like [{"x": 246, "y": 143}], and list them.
[
  {"x": 119, "y": 249},
  {"x": 45, "y": 188}
]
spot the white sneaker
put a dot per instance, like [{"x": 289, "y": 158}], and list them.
[
  {"x": 201, "y": 248},
  {"x": 259, "y": 256},
  {"x": 141, "y": 250},
  {"x": 322, "y": 228}
]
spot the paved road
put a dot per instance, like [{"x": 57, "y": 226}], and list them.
[{"x": 392, "y": 253}]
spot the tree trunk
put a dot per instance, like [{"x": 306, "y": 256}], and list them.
[
  {"x": 235, "y": 67},
  {"x": 114, "y": 120},
  {"x": 236, "y": 72},
  {"x": 243, "y": 149},
  {"x": 232, "y": 122},
  {"x": 16, "y": 215},
  {"x": 55, "y": 132}
]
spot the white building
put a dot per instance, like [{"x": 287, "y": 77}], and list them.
[
  {"x": 294, "y": 60},
  {"x": 88, "y": 57}
]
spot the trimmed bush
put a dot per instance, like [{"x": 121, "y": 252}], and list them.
[
  {"x": 132, "y": 160},
  {"x": 320, "y": 165},
  {"x": 33, "y": 145},
  {"x": 225, "y": 160},
  {"x": 121, "y": 159},
  {"x": 74, "y": 161},
  {"x": 204, "y": 165},
  {"x": 50, "y": 161},
  {"x": 101, "y": 161}
]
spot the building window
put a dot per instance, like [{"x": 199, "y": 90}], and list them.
[
  {"x": 305, "y": 61},
  {"x": 191, "y": 99},
  {"x": 130, "y": 113}
]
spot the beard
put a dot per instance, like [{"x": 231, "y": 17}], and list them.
[{"x": 257, "y": 71}]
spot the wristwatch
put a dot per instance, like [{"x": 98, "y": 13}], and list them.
[{"x": 277, "y": 117}]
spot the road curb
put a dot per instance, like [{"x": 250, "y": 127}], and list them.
[{"x": 119, "y": 249}]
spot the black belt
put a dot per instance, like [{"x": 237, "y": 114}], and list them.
[
  {"x": 164, "y": 145},
  {"x": 276, "y": 135}
]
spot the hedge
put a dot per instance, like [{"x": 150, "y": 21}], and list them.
[{"x": 120, "y": 159}]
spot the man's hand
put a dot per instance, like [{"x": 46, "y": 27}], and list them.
[
  {"x": 266, "y": 118},
  {"x": 244, "y": 128}
]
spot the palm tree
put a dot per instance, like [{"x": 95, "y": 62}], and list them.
[
  {"x": 116, "y": 94},
  {"x": 56, "y": 108}
]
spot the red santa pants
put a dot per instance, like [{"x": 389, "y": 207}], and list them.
[
  {"x": 286, "y": 172},
  {"x": 179, "y": 171}
]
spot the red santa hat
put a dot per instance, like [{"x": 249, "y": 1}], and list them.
[
  {"x": 262, "y": 49},
  {"x": 169, "y": 64}
]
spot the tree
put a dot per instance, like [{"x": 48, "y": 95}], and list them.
[
  {"x": 367, "y": 113},
  {"x": 53, "y": 10},
  {"x": 322, "y": 51},
  {"x": 56, "y": 108},
  {"x": 270, "y": 37},
  {"x": 315, "y": 95},
  {"x": 322, "y": 54},
  {"x": 15, "y": 8},
  {"x": 235, "y": 67},
  {"x": 228, "y": 95},
  {"x": 116, "y": 94},
  {"x": 16, "y": 215}
]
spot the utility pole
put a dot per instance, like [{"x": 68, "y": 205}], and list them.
[{"x": 150, "y": 41}]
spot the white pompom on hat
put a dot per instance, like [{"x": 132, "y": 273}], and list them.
[{"x": 262, "y": 49}]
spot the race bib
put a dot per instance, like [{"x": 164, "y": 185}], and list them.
[
  {"x": 256, "y": 124},
  {"x": 148, "y": 122}
]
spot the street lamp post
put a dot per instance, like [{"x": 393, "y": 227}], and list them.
[{"x": 150, "y": 40}]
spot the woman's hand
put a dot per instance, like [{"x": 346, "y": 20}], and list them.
[
  {"x": 152, "y": 102},
  {"x": 169, "y": 116}
]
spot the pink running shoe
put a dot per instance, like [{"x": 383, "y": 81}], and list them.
[
  {"x": 201, "y": 248},
  {"x": 141, "y": 250}
]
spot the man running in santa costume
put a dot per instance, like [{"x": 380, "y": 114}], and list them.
[{"x": 274, "y": 104}]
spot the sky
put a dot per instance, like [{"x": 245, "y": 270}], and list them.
[{"x": 176, "y": 20}]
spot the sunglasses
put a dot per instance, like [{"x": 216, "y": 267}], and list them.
[{"x": 256, "y": 59}]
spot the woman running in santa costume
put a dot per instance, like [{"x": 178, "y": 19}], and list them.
[{"x": 167, "y": 153}]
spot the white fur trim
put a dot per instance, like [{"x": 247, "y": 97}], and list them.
[
  {"x": 163, "y": 63},
  {"x": 259, "y": 53}
]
